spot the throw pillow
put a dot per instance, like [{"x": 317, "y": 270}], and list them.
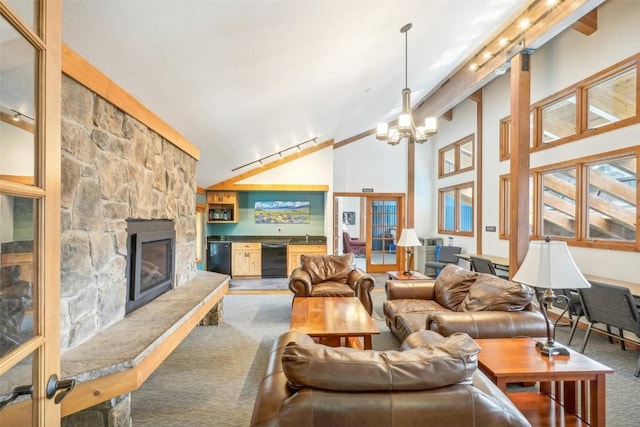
[
  {"x": 491, "y": 293},
  {"x": 323, "y": 268},
  {"x": 452, "y": 285},
  {"x": 452, "y": 360}
]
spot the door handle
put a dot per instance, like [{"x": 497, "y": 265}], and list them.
[
  {"x": 54, "y": 385},
  {"x": 18, "y": 391}
]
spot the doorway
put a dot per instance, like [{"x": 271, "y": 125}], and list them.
[{"x": 374, "y": 218}]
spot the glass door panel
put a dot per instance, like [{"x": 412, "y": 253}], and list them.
[{"x": 17, "y": 106}]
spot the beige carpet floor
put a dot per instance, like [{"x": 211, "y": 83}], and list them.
[{"x": 212, "y": 377}]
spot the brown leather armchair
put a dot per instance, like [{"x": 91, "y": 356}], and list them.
[
  {"x": 353, "y": 245},
  {"x": 331, "y": 276}
]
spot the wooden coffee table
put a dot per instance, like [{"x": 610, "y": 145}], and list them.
[
  {"x": 399, "y": 275},
  {"x": 572, "y": 388},
  {"x": 334, "y": 321}
]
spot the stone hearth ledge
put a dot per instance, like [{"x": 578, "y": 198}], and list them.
[{"x": 118, "y": 359}]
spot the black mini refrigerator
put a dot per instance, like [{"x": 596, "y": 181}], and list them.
[{"x": 219, "y": 257}]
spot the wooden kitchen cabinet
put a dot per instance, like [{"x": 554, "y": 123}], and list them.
[
  {"x": 246, "y": 260},
  {"x": 294, "y": 252},
  {"x": 222, "y": 206}
]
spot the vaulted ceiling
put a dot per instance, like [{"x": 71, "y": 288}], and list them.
[{"x": 243, "y": 80}]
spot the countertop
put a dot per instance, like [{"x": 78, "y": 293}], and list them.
[{"x": 292, "y": 240}]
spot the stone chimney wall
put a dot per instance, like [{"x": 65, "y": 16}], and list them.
[{"x": 114, "y": 168}]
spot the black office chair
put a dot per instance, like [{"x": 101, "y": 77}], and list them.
[
  {"x": 446, "y": 255},
  {"x": 484, "y": 265},
  {"x": 612, "y": 306}
]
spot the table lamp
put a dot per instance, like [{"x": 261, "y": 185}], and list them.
[
  {"x": 549, "y": 265},
  {"x": 409, "y": 240}
]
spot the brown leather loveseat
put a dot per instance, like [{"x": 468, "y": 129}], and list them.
[
  {"x": 331, "y": 276},
  {"x": 481, "y": 305},
  {"x": 432, "y": 381}
]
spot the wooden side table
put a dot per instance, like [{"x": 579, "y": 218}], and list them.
[
  {"x": 400, "y": 275},
  {"x": 572, "y": 388}
]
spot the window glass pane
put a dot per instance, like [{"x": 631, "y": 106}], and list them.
[
  {"x": 612, "y": 100},
  {"x": 449, "y": 158},
  {"x": 559, "y": 203},
  {"x": 612, "y": 200},
  {"x": 17, "y": 271},
  {"x": 466, "y": 154},
  {"x": 19, "y": 375},
  {"x": 559, "y": 119},
  {"x": 448, "y": 209},
  {"x": 26, "y": 10},
  {"x": 17, "y": 100},
  {"x": 532, "y": 126},
  {"x": 465, "y": 204}
]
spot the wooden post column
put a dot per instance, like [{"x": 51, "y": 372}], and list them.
[{"x": 519, "y": 161}]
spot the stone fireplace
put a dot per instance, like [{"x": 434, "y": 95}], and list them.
[{"x": 115, "y": 169}]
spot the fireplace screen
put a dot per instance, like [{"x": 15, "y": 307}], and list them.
[
  {"x": 150, "y": 261},
  {"x": 154, "y": 263}
]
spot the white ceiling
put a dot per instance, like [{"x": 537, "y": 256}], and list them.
[{"x": 245, "y": 79}]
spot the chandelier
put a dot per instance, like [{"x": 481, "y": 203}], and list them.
[{"x": 406, "y": 127}]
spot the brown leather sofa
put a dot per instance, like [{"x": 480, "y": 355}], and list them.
[
  {"x": 432, "y": 381},
  {"x": 331, "y": 276},
  {"x": 482, "y": 305}
]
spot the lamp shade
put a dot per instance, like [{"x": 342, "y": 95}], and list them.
[
  {"x": 408, "y": 238},
  {"x": 548, "y": 264},
  {"x": 430, "y": 125}
]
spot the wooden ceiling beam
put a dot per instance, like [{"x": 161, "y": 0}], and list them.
[{"x": 588, "y": 24}]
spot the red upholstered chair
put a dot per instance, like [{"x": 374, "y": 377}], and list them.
[{"x": 353, "y": 245}]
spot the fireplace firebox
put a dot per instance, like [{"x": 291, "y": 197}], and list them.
[{"x": 150, "y": 260}]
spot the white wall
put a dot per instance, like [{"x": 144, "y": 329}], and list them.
[{"x": 369, "y": 163}]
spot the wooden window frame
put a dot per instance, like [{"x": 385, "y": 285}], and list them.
[
  {"x": 456, "y": 147},
  {"x": 581, "y": 166},
  {"x": 456, "y": 189},
  {"x": 580, "y": 90}
]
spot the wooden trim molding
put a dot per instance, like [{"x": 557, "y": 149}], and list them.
[
  {"x": 20, "y": 179},
  {"x": 77, "y": 68},
  {"x": 270, "y": 187}
]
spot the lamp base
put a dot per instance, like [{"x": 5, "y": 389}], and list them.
[{"x": 550, "y": 348}]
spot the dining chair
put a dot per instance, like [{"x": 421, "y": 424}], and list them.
[
  {"x": 613, "y": 306},
  {"x": 484, "y": 265}
]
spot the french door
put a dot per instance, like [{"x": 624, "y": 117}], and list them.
[
  {"x": 30, "y": 109},
  {"x": 384, "y": 223}
]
